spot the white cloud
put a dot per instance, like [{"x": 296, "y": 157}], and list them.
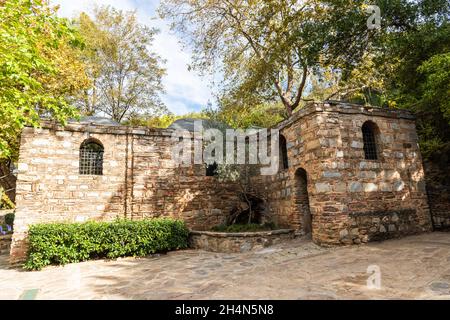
[
  {"x": 180, "y": 83},
  {"x": 70, "y": 8},
  {"x": 185, "y": 90}
]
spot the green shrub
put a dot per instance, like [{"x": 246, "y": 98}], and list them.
[
  {"x": 252, "y": 227},
  {"x": 4, "y": 229},
  {"x": 9, "y": 219},
  {"x": 62, "y": 243}
]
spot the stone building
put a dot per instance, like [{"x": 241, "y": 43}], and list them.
[
  {"x": 352, "y": 174},
  {"x": 349, "y": 174}
]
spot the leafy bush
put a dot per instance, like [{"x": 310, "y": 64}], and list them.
[
  {"x": 62, "y": 243},
  {"x": 252, "y": 227},
  {"x": 9, "y": 219}
]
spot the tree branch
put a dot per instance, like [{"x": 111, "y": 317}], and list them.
[{"x": 301, "y": 87}]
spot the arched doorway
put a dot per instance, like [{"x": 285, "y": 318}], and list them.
[{"x": 302, "y": 200}]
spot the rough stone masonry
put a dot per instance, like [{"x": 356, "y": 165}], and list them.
[{"x": 326, "y": 185}]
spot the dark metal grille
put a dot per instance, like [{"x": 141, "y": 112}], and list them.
[
  {"x": 91, "y": 159},
  {"x": 211, "y": 169},
  {"x": 284, "y": 162},
  {"x": 370, "y": 144}
]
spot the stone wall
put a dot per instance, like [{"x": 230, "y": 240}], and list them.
[
  {"x": 159, "y": 187},
  {"x": 303, "y": 148},
  {"x": 326, "y": 141},
  {"x": 5, "y": 243},
  {"x": 437, "y": 175},
  {"x": 139, "y": 180},
  {"x": 380, "y": 225},
  {"x": 350, "y": 199}
]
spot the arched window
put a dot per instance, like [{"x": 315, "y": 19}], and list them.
[
  {"x": 370, "y": 132},
  {"x": 284, "y": 163},
  {"x": 91, "y": 157}
]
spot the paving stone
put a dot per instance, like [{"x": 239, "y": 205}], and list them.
[
  {"x": 440, "y": 287},
  {"x": 296, "y": 269},
  {"x": 246, "y": 264}
]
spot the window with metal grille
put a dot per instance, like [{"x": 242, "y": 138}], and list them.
[
  {"x": 369, "y": 131},
  {"x": 284, "y": 163},
  {"x": 91, "y": 158}
]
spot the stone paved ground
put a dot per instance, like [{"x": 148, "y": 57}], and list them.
[{"x": 416, "y": 267}]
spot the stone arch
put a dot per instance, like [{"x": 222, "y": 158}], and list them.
[{"x": 302, "y": 201}]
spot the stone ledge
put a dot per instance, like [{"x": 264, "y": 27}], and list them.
[
  {"x": 105, "y": 129},
  {"x": 242, "y": 234},
  {"x": 345, "y": 108},
  {"x": 237, "y": 242}
]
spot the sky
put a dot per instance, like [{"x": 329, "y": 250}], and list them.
[{"x": 185, "y": 90}]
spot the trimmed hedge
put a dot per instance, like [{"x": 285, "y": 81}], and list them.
[
  {"x": 9, "y": 219},
  {"x": 62, "y": 243}
]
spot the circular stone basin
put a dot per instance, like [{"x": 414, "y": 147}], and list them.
[{"x": 237, "y": 242}]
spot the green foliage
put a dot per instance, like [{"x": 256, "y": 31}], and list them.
[
  {"x": 432, "y": 129},
  {"x": 162, "y": 121},
  {"x": 268, "y": 50},
  {"x": 9, "y": 219},
  {"x": 62, "y": 243},
  {"x": 265, "y": 49},
  {"x": 39, "y": 69},
  {"x": 263, "y": 115},
  {"x": 229, "y": 172},
  {"x": 414, "y": 59},
  {"x": 250, "y": 227},
  {"x": 125, "y": 72},
  {"x": 362, "y": 84},
  {"x": 436, "y": 85}
]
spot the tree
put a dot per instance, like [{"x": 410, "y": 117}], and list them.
[
  {"x": 39, "y": 69},
  {"x": 126, "y": 74},
  {"x": 240, "y": 175},
  {"x": 295, "y": 51},
  {"x": 435, "y": 88},
  {"x": 416, "y": 49},
  {"x": 362, "y": 84},
  {"x": 265, "y": 49}
]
